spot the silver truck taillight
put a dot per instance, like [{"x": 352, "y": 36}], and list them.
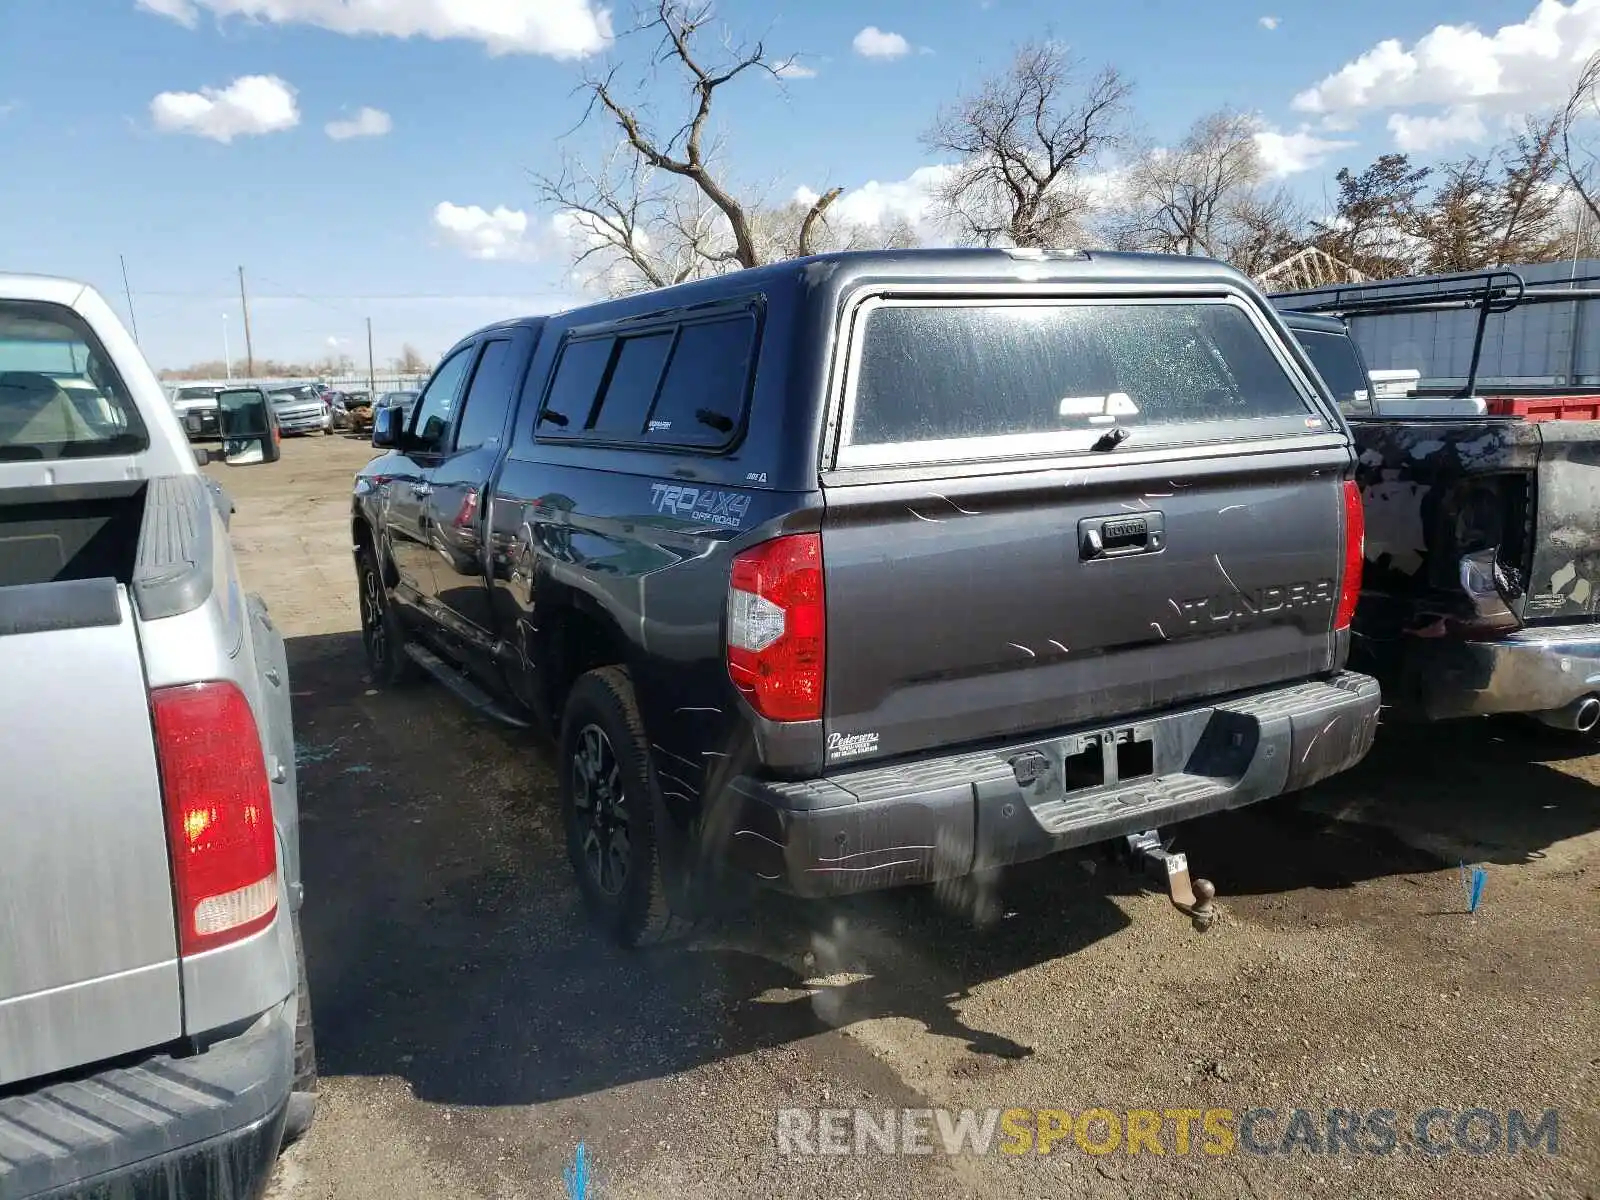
[{"x": 219, "y": 813}]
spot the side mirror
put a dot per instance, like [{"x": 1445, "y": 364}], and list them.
[
  {"x": 191, "y": 422},
  {"x": 388, "y": 426},
  {"x": 248, "y": 426}
]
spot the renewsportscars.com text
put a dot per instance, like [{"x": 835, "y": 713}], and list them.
[{"x": 1212, "y": 1131}]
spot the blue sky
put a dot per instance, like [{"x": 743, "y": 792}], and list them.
[{"x": 113, "y": 146}]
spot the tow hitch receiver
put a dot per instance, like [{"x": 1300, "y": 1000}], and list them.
[{"x": 1190, "y": 897}]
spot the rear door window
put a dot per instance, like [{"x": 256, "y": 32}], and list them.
[
  {"x": 60, "y": 397},
  {"x": 702, "y": 398},
  {"x": 632, "y": 386},
  {"x": 579, "y": 373},
  {"x": 942, "y": 380}
]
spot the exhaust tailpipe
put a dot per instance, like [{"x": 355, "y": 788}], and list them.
[{"x": 1581, "y": 716}]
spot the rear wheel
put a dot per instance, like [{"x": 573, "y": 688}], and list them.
[
  {"x": 609, "y": 802},
  {"x": 382, "y": 634}
]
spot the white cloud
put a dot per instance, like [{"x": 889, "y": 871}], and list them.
[
  {"x": 1517, "y": 68},
  {"x": 181, "y": 11},
  {"x": 368, "y": 122},
  {"x": 912, "y": 200},
  {"x": 250, "y": 105},
  {"x": 794, "y": 70},
  {"x": 880, "y": 202},
  {"x": 1268, "y": 22},
  {"x": 559, "y": 28},
  {"x": 496, "y": 235},
  {"x": 1414, "y": 135},
  {"x": 1290, "y": 153},
  {"x": 873, "y": 42}
]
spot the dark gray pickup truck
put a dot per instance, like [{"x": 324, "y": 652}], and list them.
[{"x": 877, "y": 569}]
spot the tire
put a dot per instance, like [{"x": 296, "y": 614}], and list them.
[
  {"x": 303, "y": 1093},
  {"x": 608, "y": 788},
  {"x": 382, "y": 635}
]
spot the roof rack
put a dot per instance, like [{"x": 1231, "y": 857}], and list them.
[{"x": 1496, "y": 291}]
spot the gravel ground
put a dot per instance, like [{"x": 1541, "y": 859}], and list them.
[{"x": 473, "y": 1031}]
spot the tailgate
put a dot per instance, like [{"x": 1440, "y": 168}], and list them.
[
  {"x": 89, "y": 963},
  {"x": 1199, "y": 552},
  {"x": 1564, "y": 583}
]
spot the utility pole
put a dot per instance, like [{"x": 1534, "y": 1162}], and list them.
[
  {"x": 372, "y": 383},
  {"x": 128, "y": 292},
  {"x": 249, "y": 351}
]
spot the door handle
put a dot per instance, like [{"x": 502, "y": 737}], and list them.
[
  {"x": 1115, "y": 537},
  {"x": 422, "y": 489}
]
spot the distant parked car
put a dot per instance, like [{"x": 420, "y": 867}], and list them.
[
  {"x": 301, "y": 409},
  {"x": 338, "y": 407},
  {"x": 401, "y": 400},
  {"x": 201, "y": 399},
  {"x": 361, "y": 415}
]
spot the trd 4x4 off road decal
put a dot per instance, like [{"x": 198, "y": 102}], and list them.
[{"x": 712, "y": 505}]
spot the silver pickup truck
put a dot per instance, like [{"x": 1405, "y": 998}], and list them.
[{"x": 155, "y": 1027}]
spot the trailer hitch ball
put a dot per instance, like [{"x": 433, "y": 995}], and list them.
[{"x": 1191, "y": 897}]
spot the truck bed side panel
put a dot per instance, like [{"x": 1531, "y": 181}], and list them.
[{"x": 89, "y": 966}]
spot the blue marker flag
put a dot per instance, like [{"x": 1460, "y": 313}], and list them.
[
  {"x": 1472, "y": 883},
  {"x": 576, "y": 1176}
]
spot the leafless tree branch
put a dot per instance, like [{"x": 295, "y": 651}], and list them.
[
  {"x": 1022, "y": 144},
  {"x": 1582, "y": 105},
  {"x": 660, "y": 206},
  {"x": 813, "y": 215}
]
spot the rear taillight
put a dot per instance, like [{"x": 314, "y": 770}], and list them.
[
  {"x": 219, "y": 813},
  {"x": 1355, "y": 539},
  {"x": 777, "y": 642}
]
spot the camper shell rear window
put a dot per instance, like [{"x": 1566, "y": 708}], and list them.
[{"x": 949, "y": 379}]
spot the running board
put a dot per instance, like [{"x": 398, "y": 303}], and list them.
[{"x": 463, "y": 688}]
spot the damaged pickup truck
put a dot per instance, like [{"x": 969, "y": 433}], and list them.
[{"x": 1481, "y": 584}]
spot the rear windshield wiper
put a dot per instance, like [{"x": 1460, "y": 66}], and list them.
[
  {"x": 553, "y": 417},
  {"x": 1111, "y": 438},
  {"x": 716, "y": 420}
]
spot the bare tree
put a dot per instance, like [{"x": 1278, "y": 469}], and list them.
[
  {"x": 410, "y": 361},
  {"x": 661, "y": 207},
  {"x": 1578, "y": 151},
  {"x": 1023, "y": 144},
  {"x": 1264, "y": 226},
  {"x": 1208, "y": 195},
  {"x": 799, "y": 228}
]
